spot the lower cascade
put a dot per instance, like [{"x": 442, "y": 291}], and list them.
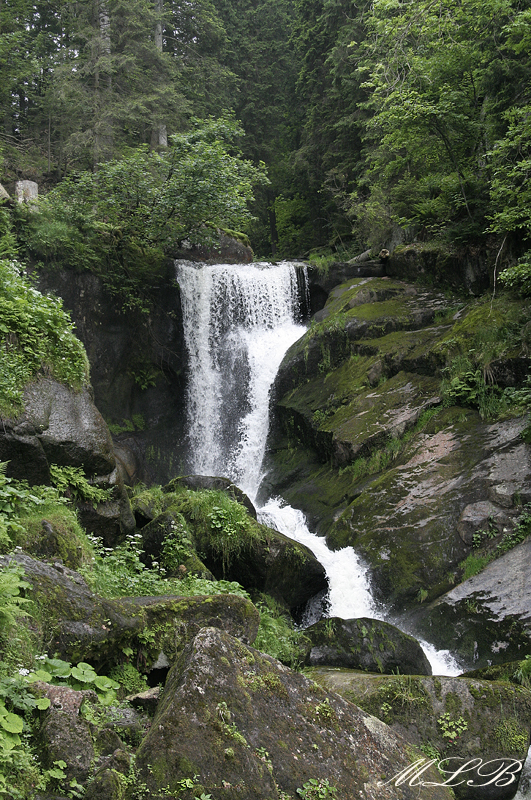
[{"x": 239, "y": 321}]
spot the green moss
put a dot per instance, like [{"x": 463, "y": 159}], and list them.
[
  {"x": 54, "y": 532},
  {"x": 512, "y": 737}
]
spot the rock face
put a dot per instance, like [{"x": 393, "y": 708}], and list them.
[
  {"x": 460, "y": 719},
  {"x": 137, "y": 363},
  {"x": 63, "y": 427},
  {"x": 250, "y": 728},
  {"x": 487, "y": 618},
  {"x": 363, "y": 386},
  {"x": 366, "y": 644}
]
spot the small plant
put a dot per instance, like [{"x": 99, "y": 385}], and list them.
[
  {"x": 452, "y": 729},
  {"x": 71, "y": 482},
  {"x": 12, "y": 601},
  {"x": 315, "y": 789},
  {"x": 81, "y": 676},
  {"x": 523, "y": 673}
]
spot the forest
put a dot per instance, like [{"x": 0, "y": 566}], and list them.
[{"x": 342, "y": 126}]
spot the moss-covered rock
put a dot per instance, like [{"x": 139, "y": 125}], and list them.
[
  {"x": 78, "y": 625},
  {"x": 448, "y": 718},
  {"x": 63, "y": 427},
  {"x": 366, "y": 644},
  {"x": 234, "y": 546},
  {"x": 54, "y": 533},
  {"x": 239, "y": 725}
]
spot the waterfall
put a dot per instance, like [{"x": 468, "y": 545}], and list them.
[{"x": 239, "y": 321}]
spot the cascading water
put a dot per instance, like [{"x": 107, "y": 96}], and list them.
[{"x": 239, "y": 321}]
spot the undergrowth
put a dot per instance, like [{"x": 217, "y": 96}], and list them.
[
  {"x": 491, "y": 332},
  {"x": 36, "y": 338}
]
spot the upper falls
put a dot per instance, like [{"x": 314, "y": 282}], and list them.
[{"x": 239, "y": 320}]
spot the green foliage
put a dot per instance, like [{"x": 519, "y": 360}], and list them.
[
  {"x": 120, "y": 220},
  {"x": 491, "y": 331},
  {"x": 130, "y": 679},
  {"x": 80, "y": 676},
  {"x": 317, "y": 789},
  {"x": 12, "y": 600},
  {"x": 229, "y": 523},
  {"x": 277, "y": 635},
  {"x": 523, "y": 674},
  {"x": 71, "y": 482},
  {"x": 119, "y": 572},
  {"x": 518, "y": 277},
  {"x": 15, "y": 499},
  {"x": 450, "y": 728},
  {"x": 36, "y": 337}
]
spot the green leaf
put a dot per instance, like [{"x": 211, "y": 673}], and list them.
[{"x": 12, "y": 723}]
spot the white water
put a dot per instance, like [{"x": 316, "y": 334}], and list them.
[{"x": 239, "y": 321}]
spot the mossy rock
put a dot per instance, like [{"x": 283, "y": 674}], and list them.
[
  {"x": 78, "y": 625},
  {"x": 367, "y": 644},
  {"x": 54, "y": 534},
  {"x": 240, "y": 725},
  {"x": 234, "y": 546},
  {"x": 457, "y": 718},
  {"x": 170, "y": 622},
  {"x": 167, "y": 540}
]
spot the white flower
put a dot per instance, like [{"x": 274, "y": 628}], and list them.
[{"x": 23, "y": 671}]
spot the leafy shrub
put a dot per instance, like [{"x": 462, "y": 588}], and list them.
[
  {"x": 119, "y": 572},
  {"x": 36, "y": 337},
  {"x": 71, "y": 481}
]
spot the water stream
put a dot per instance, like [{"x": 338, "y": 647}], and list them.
[{"x": 239, "y": 321}]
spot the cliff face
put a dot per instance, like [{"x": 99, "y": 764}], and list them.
[{"x": 137, "y": 370}]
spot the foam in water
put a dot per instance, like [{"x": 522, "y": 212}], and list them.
[{"x": 239, "y": 321}]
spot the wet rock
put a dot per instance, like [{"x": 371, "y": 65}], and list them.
[
  {"x": 136, "y": 367},
  {"x": 366, "y": 644},
  {"x": 250, "y": 728},
  {"x": 482, "y": 517},
  {"x": 487, "y": 618},
  {"x": 460, "y": 719}
]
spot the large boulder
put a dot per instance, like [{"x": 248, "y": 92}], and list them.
[
  {"x": 481, "y": 724},
  {"x": 258, "y": 557},
  {"x": 237, "y": 723},
  {"x": 367, "y": 644},
  {"x": 63, "y": 427}
]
